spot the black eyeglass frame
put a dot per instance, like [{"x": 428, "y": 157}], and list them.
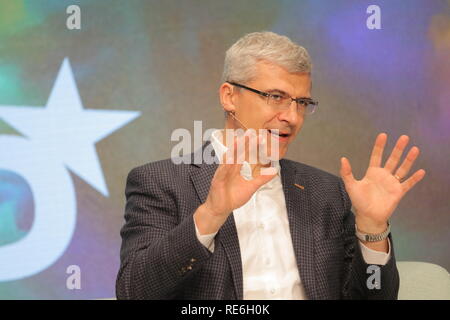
[{"x": 315, "y": 103}]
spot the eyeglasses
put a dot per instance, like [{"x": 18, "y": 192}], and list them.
[{"x": 280, "y": 101}]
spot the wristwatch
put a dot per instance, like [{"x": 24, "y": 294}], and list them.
[{"x": 369, "y": 237}]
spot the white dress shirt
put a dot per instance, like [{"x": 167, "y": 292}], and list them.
[{"x": 269, "y": 265}]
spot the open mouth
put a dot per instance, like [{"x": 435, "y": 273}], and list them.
[{"x": 278, "y": 133}]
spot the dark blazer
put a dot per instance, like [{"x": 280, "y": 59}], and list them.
[{"x": 161, "y": 257}]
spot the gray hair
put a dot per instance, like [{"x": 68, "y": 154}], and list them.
[{"x": 242, "y": 56}]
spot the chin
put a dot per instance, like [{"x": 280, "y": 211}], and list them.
[{"x": 281, "y": 154}]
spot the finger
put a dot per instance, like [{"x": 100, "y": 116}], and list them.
[
  {"x": 239, "y": 148},
  {"x": 232, "y": 153},
  {"x": 248, "y": 156},
  {"x": 411, "y": 181},
  {"x": 265, "y": 154},
  {"x": 377, "y": 151},
  {"x": 223, "y": 169},
  {"x": 225, "y": 157},
  {"x": 239, "y": 142},
  {"x": 396, "y": 153},
  {"x": 346, "y": 173},
  {"x": 265, "y": 176},
  {"x": 261, "y": 149},
  {"x": 252, "y": 147},
  {"x": 228, "y": 156},
  {"x": 238, "y": 155},
  {"x": 245, "y": 148},
  {"x": 412, "y": 155}
]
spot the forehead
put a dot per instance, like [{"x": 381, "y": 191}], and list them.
[{"x": 272, "y": 76}]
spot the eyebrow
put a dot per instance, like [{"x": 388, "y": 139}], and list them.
[
  {"x": 271, "y": 91},
  {"x": 277, "y": 90}
]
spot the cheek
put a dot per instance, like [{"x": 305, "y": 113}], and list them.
[
  {"x": 282, "y": 152},
  {"x": 254, "y": 116}
]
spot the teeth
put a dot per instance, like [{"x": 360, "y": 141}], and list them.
[
  {"x": 279, "y": 134},
  {"x": 273, "y": 133}
]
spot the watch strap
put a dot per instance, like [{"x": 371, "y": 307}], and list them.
[{"x": 373, "y": 237}]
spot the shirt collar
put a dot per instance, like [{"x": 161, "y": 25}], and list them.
[{"x": 246, "y": 170}]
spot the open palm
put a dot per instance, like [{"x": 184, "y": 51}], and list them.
[
  {"x": 377, "y": 194},
  {"x": 229, "y": 190}
]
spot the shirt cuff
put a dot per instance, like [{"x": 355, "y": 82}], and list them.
[
  {"x": 207, "y": 239},
  {"x": 375, "y": 257}
]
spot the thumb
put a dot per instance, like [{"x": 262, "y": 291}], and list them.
[{"x": 346, "y": 172}]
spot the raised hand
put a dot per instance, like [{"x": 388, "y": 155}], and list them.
[
  {"x": 229, "y": 190},
  {"x": 377, "y": 194}
]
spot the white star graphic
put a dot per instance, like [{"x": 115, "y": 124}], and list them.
[{"x": 64, "y": 128}]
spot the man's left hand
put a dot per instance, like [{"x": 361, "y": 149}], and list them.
[{"x": 376, "y": 196}]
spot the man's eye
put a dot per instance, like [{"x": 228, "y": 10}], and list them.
[
  {"x": 277, "y": 97},
  {"x": 304, "y": 103}
]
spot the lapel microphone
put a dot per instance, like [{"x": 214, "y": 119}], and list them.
[{"x": 231, "y": 113}]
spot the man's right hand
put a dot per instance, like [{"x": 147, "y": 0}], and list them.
[{"x": 229, "y": 190}]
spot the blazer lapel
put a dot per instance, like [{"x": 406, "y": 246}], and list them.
[
  {"x": 300, "y": 222},
  {"x": 201, "y": 178}
]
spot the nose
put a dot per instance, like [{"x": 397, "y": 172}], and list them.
[{"x": 290, "y": 114}]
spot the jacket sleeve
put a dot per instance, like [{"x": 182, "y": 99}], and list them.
[
  {"x": 159, "y": 253},
  {"x": 357, "y": 271}
]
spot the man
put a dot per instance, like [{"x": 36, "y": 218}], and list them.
[{"x": 232, "y": 231}]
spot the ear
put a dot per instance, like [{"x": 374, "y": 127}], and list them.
[{"x": 226, "y": 92}]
